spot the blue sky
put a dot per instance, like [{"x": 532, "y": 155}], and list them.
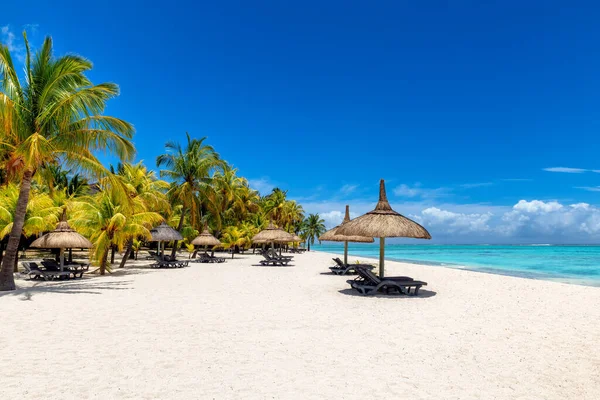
[{"x": 463, "y": 107}]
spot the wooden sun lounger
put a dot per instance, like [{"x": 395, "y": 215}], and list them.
[
  {"x": 346, "y": 269},
  {"x": 160, "y": 263},
  {"x": 271, "y": 260},
  {"x": 35, "y": 272},
  {"x": 369, "y": 283},
  {"x": 214, "y": 259}
]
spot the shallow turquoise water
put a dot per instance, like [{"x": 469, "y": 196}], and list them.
[{"x": 573, "y": 264}]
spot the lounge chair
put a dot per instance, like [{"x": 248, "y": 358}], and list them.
[
  {"x": 174, "y": 263},
  {"x": 34, "y": 272},
  {"x": 214, "y": 259},
  {"x": 77, "y": 269},
  {"x": 346, "y": 269},
  {"x": 273, "y": 259},
  {"x": 274, "y": 254},
  {"x": 369, "y": 283}
]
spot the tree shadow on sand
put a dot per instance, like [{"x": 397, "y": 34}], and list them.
[
  {"x": 81, "y": 286},
  {"x": 423, "y": 294}
]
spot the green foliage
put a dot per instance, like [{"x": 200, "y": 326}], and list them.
[{"x": 312, "y": 227}]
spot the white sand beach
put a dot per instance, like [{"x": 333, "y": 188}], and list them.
[{"x": 237, "y": 330}]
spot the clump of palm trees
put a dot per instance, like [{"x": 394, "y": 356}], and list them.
[{"x": 51, "y": 124}]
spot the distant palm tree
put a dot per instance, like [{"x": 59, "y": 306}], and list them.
[
  {"x": 190, "y": 171},
  {"x": 111, "y": 220},
  {"x": 233, "y": 237},
  {"x": 312, "y": 227},
  {"x": 144, "y": 185},
  {"x": 54, "y": 116}
]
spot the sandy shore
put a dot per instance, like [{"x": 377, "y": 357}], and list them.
[{"x": 237, "y": 330}]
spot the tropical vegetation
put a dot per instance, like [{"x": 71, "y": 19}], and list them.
[{"x": 52, "y": 123}]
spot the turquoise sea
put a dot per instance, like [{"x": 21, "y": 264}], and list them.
[{"x": 572, "y": 264}]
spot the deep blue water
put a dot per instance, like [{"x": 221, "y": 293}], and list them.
[{"x": 573, "y": 264}]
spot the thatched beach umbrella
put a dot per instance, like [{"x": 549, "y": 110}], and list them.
[
  {"x": 383, "y": 222},
  {"x": 332, "y": 235},
  {"x": 206, "y": 239},
  {"x": 63, "y": 237},
  {"x": 273, "y": 234},
  {"x": 164, "y": 233},
  {"x": 297, "y": 239}
]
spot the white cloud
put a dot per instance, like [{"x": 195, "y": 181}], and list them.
[
  {"x": 9, "y": 39},
  {"x": 475, "y": 185},
  {"x": 566, "y": 170},
  {"x": 552, "y": 221},
  {"x": 537, "y": 206},
  {"x": 263, "y": 185},
  {"x": 527, "y": 221},
  {"x": 332, "y": 218},
  {"x": 450, "y": 222},
  {"x": 347, "y": 189},
  {"x": 417, "y": 190},
  {"x": 589, "y": 188}
]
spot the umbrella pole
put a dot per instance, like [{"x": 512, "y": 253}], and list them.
[
  {"x": 346, "y": 253},
  {"x": 62, "y": 259},
  {"x": 381, "y": 256}
]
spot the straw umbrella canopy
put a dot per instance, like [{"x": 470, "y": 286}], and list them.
[
  {"x": 206, "y": 239},
  {"x": 332, "y": 235},
  {"x": 273, "y": 234},
  {"x": 164, "y": 233},
  {"x": 63, "y": 237},
  {"x": 297, "y": 239},
  {"x": 383, "y": 222}
]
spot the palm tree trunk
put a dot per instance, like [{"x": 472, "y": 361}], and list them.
[
  {"x": 127, "y": 253},
  {"x": 179, "y": 226},
  {"x": 103, "y": 263},
  {"x": 7, "y": 279},
  {"x": 16, "y": 266},
  {"x": 112, "y": 254}
]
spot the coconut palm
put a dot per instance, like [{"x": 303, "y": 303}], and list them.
[
  {"x": 273, "y": 205},
  {"x": 41, "y": 215},
  {"x": 109, "y": 221},
  {"x": 233, "y": 237},
  {"x": 312, "y": 227},
  {"x": 190, "y": 171},
  {"x": 55, "y": 115},
  {"x": 143, "y": 185},
  {"x": 140, "y": 182},
  {"x": 292, "y": 215}
]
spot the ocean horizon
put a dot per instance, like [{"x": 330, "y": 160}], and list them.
[{"x": 575, "y": 264}]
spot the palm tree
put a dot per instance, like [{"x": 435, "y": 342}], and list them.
[
  {"x": 190, "y": 171},
  {"x": 54, "y": 116},
  {"x": 231, "y": 198},
  {"x": 312, "y": 228},
  {"x": 109, "y": 220},
  {"x": 233, "y": 237},
  {"x": 41, "y": 214},
  {"x": 273, "y": 205},
  {"x": 292, "y": 215},
  {"x": 144, "y": 185}
]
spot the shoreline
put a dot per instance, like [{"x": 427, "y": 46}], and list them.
[{"x": 538, "y": 276}]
